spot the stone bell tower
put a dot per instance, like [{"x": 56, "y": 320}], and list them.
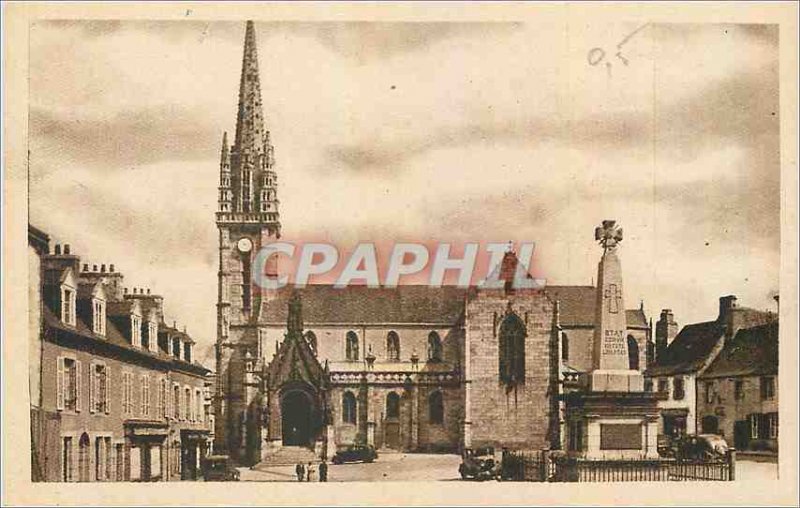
[{"x": 247, "y": 218}]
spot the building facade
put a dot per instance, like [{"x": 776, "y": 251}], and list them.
[
  {"x": 739, "y": 391},
  {"x": 121, "y": 396},
  {"x": 408, "y": 368},
  {"x": 682, "y": 360}
]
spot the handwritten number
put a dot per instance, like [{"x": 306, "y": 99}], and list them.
[{"x": 596, "y": 56}]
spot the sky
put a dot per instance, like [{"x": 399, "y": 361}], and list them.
[{"x": 421, "y": 132}]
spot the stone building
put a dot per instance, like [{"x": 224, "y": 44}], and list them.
[
  {"x": 738, "y": 393},
  {"x": 407, "y": 368},
  {"x": 681, "y": 360},
  {"x": 115, "y": 392}
]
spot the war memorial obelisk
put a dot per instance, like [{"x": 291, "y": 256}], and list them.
[{"x": 611, "y": 416}]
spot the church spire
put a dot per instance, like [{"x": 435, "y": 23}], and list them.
[
  {"x": 250, "y": 117},
  {"x": 252, "y": 188}
]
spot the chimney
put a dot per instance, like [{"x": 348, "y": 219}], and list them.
[
  {"x": 666, "y": 330},
  {"x": 86, "y": 267},
  {"x": 58, "y": 249},
  {"x": 148, "y": 291},
  {"x": 726, "y": 305},
  {"x": 103, "y": 268},
  {"x": 111, "y": 268},
  {"x": 66, "y": 249}
]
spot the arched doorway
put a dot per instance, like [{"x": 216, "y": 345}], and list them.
[
  {"x": 297, "y": 418},
  {"x": 83, "y": 458}
]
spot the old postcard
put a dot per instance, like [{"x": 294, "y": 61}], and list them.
[{"x": 493, "y": 250}]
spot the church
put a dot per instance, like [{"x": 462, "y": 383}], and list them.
[{"x": 410, "y": 368}]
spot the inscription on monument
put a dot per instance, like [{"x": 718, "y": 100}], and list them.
[
  {"x": 621, "y": 436},
  {"x": 614, "y": 343}
]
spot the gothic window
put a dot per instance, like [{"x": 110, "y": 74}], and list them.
[
  {"x": 246, "y": 280},
  {"x": 512, "y": 350},
  {"x": 434, "y": 347},
  {"x": 392, "y": 405},
  {"x": 650, "y": 352},
  {"x": 351, "y": 346},
  {"x": 349, "y": 408},
  {"x": 435, "y": 408},
  {"x": 633, "y": 353},
  {"x": 564, "y": 347},
  {"x": 312, "y": 341},
  {"x": 392, "y": 346}
]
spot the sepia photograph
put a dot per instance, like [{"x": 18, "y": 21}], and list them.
[{"x": 491, "y": 251}]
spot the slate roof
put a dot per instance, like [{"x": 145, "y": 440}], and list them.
[
  {"x": 752, "y": 352},
  {"x": 689, "y": 350},
  {"x": 576, "y": 304},
  {"x": 410, "y": 304},
  {"x": 324, "y": 303}
]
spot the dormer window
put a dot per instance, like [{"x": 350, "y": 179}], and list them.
[
  {"x": 68, "y": 306},
  {"x": 98, "y": 317},
  {"x": 176, "y": 348},
  {"x": 136, "y": 331},
  {"x": 187, "y": 352},
  {"x": 152, "y": 336}
]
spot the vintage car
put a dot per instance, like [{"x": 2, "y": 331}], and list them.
[
  {"x": 219, "y": 468},
  {"x": 355, "y": 453},
  {"x": 706, "y": 447},
  {"x": 479, "y": 464}
]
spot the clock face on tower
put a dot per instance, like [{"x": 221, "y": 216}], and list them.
[{"x": 244, "y": 245}]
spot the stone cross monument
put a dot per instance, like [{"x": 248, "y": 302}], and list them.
[{"x": 610, "y": 367}]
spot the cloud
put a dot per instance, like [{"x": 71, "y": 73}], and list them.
[
  {"x": 125, "y": 139},
  {"x": 463, "y": 131}
]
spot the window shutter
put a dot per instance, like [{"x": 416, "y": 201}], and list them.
[
  {"x": 92, "y": 386},
  {"x": 78, "y": 394},
  {"x": 106, "y": 402},
  {"x": 60, "y": 382}
]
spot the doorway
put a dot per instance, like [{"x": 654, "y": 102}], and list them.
[
  {"x": 296, "y": 418},
  {"x": 709, "y": 425},
  {"x": 83, "y": 458}
]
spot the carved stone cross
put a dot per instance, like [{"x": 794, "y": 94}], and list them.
[
  {"x": 609, "y": 235},
  {"x": 613, "y": 295}
]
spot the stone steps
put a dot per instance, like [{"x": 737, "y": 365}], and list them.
[{"x": 288, "y": 456}]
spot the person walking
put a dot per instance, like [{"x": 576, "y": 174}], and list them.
[
  {"x": 323, "y": 471},
  {"x": 300, "y": 471},
  {"x": 309, "y": 472}
]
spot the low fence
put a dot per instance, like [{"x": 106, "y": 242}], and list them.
[{"x": 556, "y": 467}]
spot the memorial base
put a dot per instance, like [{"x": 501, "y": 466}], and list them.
[
  {"x": 615, "y": 381},
  {"x": 612, "y": 425}
]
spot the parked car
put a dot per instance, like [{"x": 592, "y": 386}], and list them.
[
  {"x": 479, "y": 464},
  {"x": 355, "y": 453},
  {"x": 219, "y": 468},
  {"x": 706, "y": 447}
]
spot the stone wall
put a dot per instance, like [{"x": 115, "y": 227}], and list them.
[{"x": 500, "y": 415}]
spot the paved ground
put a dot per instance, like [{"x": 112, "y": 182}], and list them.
[
  {"x": 388, "y": 467},
  {"x": 425, "y": 467},
  {"x": 755, "y": 470}
]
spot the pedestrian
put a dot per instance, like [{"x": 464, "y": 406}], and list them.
[
  {"x": 323, "y": 471},
  {"x": 309, "y": 472},
  {"x": 300, "y": 470}
]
